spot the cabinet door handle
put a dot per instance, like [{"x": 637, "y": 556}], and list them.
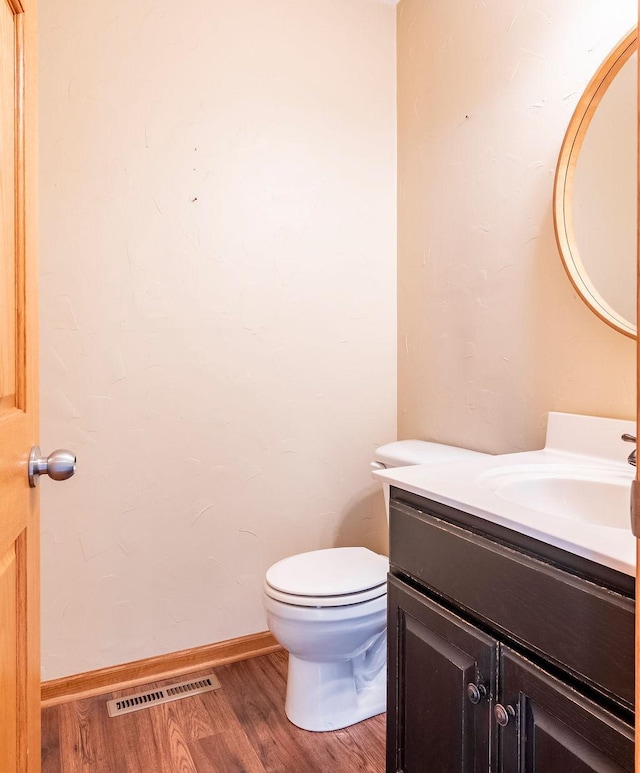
[
  {"x": 503, "y": 714},
  {"x": 476, "y": 692}
]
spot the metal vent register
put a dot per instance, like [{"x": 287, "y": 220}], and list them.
[{"x": 172, "y": 692}]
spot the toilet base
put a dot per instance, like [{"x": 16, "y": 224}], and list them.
[{"x": 324, "y": 696}]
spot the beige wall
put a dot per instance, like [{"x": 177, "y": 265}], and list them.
[
  {"x": 491, "y": 334},
  {"x": 218, "y": 307}
]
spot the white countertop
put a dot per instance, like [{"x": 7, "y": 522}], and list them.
[{"x": 591, "y": 443}]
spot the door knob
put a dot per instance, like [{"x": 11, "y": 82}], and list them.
[
  {"x": 503, "y": 714},
  {"x": 59, "y": 465},
  {"x": 476, "y": 692}
]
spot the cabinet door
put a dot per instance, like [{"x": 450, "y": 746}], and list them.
[
  {"x": 553, "y": 729},
  {"x": 442, "y": 680}
]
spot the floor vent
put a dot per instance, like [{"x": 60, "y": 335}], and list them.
[{"x": 172, "y": 692}]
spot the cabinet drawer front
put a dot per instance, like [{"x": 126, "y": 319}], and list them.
[{"x": 582, "y": 627}]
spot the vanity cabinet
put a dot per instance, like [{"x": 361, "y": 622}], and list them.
[
  {"x": 435, "y": 657},
  {"x": 549, "y": 726},
  {"x": 504, "y": 654}
]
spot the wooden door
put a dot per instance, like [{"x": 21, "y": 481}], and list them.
[
  {"x": 442, "y": 681},
  {"x": 19, "y": 525}
]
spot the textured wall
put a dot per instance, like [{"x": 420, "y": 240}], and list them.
[
  {"x": 491, "y": 334},
  {"x": 218, "y": 307}
]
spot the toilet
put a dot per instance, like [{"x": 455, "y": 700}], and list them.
[{"x": 328, "y": 609}]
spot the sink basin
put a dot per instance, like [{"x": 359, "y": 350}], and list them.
[
  {"x": 598, "y": 496},
  {"x": 573, "y": 494}
]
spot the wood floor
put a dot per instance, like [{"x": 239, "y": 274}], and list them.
[{"x": 240, "y": 728}]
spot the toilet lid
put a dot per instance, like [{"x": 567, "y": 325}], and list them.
[{"x": 332, "y": 572}]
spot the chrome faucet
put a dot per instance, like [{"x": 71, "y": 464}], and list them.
[{"x": 632, "y": 456}]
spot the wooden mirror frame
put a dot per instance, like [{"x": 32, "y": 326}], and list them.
[{"x": 563, "y": 186}]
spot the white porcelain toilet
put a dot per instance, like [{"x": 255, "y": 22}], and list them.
[{"x": 328, "y": 608}]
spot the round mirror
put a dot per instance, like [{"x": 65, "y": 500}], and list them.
[{"x": 595, "y": 193}]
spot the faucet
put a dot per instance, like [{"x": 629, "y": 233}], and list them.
[{"x": 632, "y": 456}]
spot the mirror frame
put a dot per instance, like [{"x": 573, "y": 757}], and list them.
[{"x": 563, "y": 186}]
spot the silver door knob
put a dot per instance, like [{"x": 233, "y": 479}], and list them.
[{"x": 59, "y": 465}]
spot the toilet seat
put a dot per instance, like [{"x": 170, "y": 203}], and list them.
[
  {"x": 342, "y": 600},
  {"x": 328, "y": 578}
]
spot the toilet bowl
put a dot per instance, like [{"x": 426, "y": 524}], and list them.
[{"x": 328, "y": 609}]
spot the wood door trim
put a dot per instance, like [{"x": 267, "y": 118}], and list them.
[
  {"x": 71, "y": 688},
  {"x": 637, "y": 637}
]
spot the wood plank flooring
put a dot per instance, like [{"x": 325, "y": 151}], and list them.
[{"x": 240, "y": 728}]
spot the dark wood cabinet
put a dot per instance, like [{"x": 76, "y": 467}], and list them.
[
  {"x": 442, "y": 676},
  {"x": 485, "y": 672},
  {"x": 552, "y": 727}
]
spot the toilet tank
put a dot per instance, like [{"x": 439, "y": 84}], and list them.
[{"x": 404, "y": 453}]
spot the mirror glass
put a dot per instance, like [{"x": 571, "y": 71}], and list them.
[{"x": 595, "y": 204}]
